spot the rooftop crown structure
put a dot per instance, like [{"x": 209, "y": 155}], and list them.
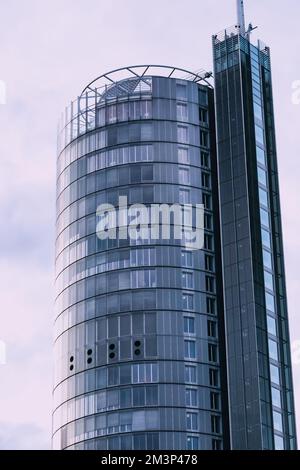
[{"x": 241, "y": 16}]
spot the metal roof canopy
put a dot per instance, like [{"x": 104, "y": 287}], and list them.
[{"x": 143, "y": 71}]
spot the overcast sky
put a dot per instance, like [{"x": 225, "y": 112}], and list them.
[{"x": 49, "y": 50}]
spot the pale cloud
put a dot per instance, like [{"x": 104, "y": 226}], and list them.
[
  {"x": 23, "y": 436},
  {"x": 26, "y": 329},
  {"x": 49, "y": 51}
]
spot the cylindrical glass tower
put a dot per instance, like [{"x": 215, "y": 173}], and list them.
[{"x": 136, "y": 331}]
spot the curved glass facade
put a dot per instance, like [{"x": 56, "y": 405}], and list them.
[{"x": 136, "y": 332}]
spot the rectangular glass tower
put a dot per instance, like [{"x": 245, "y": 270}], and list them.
[{"x": 260, "y": 390}]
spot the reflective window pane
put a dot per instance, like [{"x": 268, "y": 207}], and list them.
[
  {"x": 192, "y": 442},
  {"x": 258, "y": 111},
  {"x": 266, "y": 238},
  {"x": 268, "y": 280},
  {"x": 271, "y": 322},
  {"x": 263, "y": 197},
  {"x": 277, "y": 420},
  {"x": 276, "y": 397},
  {"x": 270, "y": 302},
  {"x": 274, "y": 371},
  {"x": 259, "y": 134},
  {"x": 261, "y": 157},
  {"x": 267, "y": 259},
  {"x": 189, "y": 325},
  {"x": 262, "y": 176},
  {"x": 273, "y": 350},
  {"x": 264, "y": 218},
  {"x": 279, "y": 443}
]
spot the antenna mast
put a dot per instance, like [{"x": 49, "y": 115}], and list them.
[{"x": 241, "y": 16}]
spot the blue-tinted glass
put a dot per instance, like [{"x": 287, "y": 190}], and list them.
[
  {"x": 257, "y": 97},
  {"x": 263, "y": 197},
  {"x": 190, "y": 374},
  {"x": 258, "y": 111},
  {"x": 192, "y": 421},
  {"x": 187, "y": 258},
  {"x": 182, "y": 112},
  {"x": 256, "y": 83},
  {"x": 192, "y": 443},
  {"x": 274, "y": 371},
  {"x": 255, "y": 71},
  {"x": 187, "y": 301},
  {"x": 107, "y": 274},
  {"x": 262, "y": 176},
  {"x": 276, "y": 397},
  {"x": 181, "y": 91},
  {"x": 279, "y": 443},
  {"x": 266, "y": 238},
  {"x": 189, "y": 325},
  {"x": 191, "y": 397},
  {"x": 271, "y": 323},
  {"x": 264, "y": 218},
  {"x": 183, "y": 155},
  {"x": 273, "y": 350},
  {"x": 267, "y": 259},
  {"x": 259, "y": 134},
  {"x": 190, "y": 349},
  {"x": 270, "y": 302},
  {"x": 268, "y": 281},
  {"x": 261, "y": 156},
  {"x": 203, "y": 98},
  {"x": 254, "y": 54},
  {"x": 182, "y": 133},
  {"x": 277, "y": 420},
  {"x": 125, "y": 397}
]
